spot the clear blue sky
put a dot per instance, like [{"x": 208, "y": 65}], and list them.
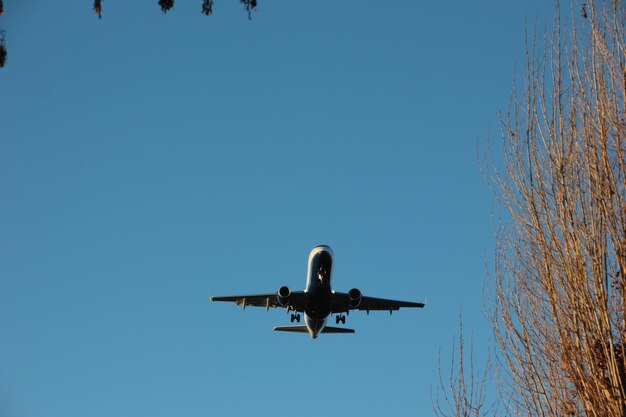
[{"x": 148, "y": 161}]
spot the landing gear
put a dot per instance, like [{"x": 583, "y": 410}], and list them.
[
  {"x": 340, "y": 319},
  {"x": 295, "y": 317}
]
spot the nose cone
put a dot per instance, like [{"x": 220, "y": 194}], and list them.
[{"x": 322, "y": 248}]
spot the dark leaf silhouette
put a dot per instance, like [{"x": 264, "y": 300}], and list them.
[
  {"x": 3, "y": 56},
  {"x": 207, "y": 7},
  {"x": 249, "y": 6},
  {"x": 166, "y": 5},
  {"x": 97, "y": 7}
]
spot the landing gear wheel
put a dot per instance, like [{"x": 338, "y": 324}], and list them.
[
  {"x": 295, "y": 317},
  {"x": 340, "y": 319}
]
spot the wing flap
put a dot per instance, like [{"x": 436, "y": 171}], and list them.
[
  {"x": 254, "y": 300},
  {"x": 372, "y": 303},
  {"x": 297, "y": 300},
  {"x": 340, "y": 304}
]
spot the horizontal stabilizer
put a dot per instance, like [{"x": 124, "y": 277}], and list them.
[
  {"x": 304, "y": 329},
  {"x": 298, "y": 329},
  {"x": 336, "y": 330}
]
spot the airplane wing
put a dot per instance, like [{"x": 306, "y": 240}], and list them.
[
  {"x": 340, "y": 303},
  {"x": 296, "y": 302}
]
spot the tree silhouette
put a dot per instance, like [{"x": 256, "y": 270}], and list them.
[{"x": 167, "y": 5}]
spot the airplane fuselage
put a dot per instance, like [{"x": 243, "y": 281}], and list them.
[{"x": 318, "y": 288}]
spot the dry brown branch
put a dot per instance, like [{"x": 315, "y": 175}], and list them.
[
  {"x": 559, "y": 311},
  {"x": 463, "y": 394},
  {"x": 559, "y": 303}
]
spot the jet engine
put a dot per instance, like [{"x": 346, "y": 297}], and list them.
[
  {"x": 354, "y": 298},
  {"x": 284, "y": 293}
]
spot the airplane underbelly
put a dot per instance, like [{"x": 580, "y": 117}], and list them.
[
  {"x": 318, "y": 314},
  {"x": 318, "y": 305},
  {"x": 314, "y": 325}
]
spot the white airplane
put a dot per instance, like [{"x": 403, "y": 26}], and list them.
[{"x": 318, "y": 300}]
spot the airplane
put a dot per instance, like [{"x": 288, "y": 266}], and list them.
[{"x": 318, "y": 300}]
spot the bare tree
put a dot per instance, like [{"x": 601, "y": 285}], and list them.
[
  {"x": 559, "y": 304},
  {"x": 463, "y": 394},
  {"x": 560, "y": 261}
]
